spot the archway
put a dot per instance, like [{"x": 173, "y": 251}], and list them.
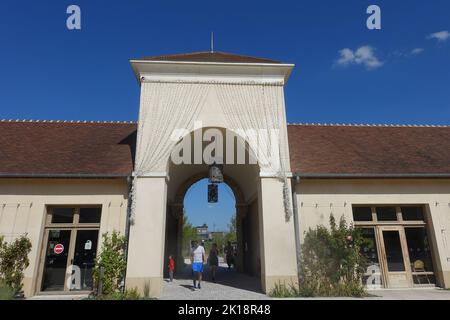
[{"x": 242, "y": 179}]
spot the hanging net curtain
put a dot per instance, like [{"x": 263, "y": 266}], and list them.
[
  {"x": 248, "y": 108},
  {"x": 165, "y": 108},
  {"x": 256, "y": 113}
]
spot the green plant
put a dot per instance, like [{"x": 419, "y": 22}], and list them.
[
  {"x": 6, "y": 292},
  {"x": 331, "y": 261},
  {"x": 131, "y": 294},
  {"x": 331, "y": 264},
  {"x": 13, "y": 261},
  {"x": 110, "y": 264}
]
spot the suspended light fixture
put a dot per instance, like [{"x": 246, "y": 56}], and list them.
[
  {"x": 215, "y": 173},
  {"x": 215, "y": 177}
]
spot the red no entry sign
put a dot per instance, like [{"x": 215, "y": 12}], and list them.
[{"x": 59, "y": 248}]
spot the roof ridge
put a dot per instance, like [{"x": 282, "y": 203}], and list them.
[
  {"x": 166, "y": 57},
  {"x": 368, "y": 125},
  {"x": 65, "y": 121}
]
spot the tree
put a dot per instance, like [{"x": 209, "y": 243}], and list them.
[
  {"x": 189, "y": 233},
  {"x": 231, "y": 234}
]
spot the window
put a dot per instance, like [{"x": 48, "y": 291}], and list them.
[
  {"x": 90, "y": 215},
  {"x": 412, "y": 213},
  {"x": 362, "y": 213},
  {"x": 386, "y": 214},
  {"x": 75, "y": 215},
  {"x": 63, "y": 215}
]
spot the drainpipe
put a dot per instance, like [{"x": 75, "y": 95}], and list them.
[
  {"x": 127, "y": 226},
  {"x": 294, "y": 182}
]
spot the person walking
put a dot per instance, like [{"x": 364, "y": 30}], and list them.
[
  {"x": 229, "y": 254},
  {"x": 171, "y": 267},
  {"x": 197, "y": 259},
  {"x": 213, "y": 261}
]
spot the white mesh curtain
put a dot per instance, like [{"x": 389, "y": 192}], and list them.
[
  {"x": 165, "y": 107},
  {"x": 248, "y": 108},
  {"x": 260, "y": 107}
]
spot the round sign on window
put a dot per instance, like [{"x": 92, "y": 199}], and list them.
[{"x": 59, "y": 248}]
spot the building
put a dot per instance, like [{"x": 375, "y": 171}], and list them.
[
  {"x": 66, "y": 183},
  {"x": 202, "y": 232}
]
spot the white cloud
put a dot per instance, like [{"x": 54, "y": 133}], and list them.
[
  {"x": 440, "y": 36},
  {"x": 364, "y": 55},
  {"x": 417, "y": 51}
]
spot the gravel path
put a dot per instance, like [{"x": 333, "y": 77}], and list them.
[{"x": 230, "y": 285}]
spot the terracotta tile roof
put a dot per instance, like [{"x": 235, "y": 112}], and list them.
[
  {"x": 41, "y": 148},
  {"x": 207, "y": 56},
  {"x": 369, "y": 151}
]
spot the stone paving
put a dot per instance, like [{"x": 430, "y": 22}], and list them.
[
  {"x": 229, "y": 285},
  {"x": 233, "y": 285}
]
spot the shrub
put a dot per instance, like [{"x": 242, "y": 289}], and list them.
[
  {"x": 331, "y": 261},
  {"x": 6, "y": 292},
  {"x": 13, "y": 261},
  {"x": 331, "y": 264},
  {"x": 112, "y": 260},
  {"x": 131, "y": 294}
]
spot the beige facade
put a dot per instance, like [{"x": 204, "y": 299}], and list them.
[
  {"x": 318, "y": 198},
  {"x": 24, "y": 205}
]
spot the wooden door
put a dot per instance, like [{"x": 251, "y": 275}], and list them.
[{"x": 394, "y": 257}]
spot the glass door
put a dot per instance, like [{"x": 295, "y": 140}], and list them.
[
  {"x": 84, "y": 259},
  {"x": 56, "y": 259},
  {"x": 395, "y": 257},
  {"x": 69, "y": 250}
]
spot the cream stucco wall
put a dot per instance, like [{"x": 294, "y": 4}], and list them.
[
  {"x": 318, "y": 198},
  {"x": 23, "y": 206}
]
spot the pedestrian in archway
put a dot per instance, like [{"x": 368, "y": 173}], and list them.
[
  {"x": 229, "y": 254},
  {"x": 198, "y": 258},
  {"x": 213, "y": 261},
  {"x": 171, "y": 267}
]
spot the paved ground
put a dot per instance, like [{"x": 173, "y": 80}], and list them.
[
  {"x": 59, "y": 297},
  {"x": 411, "y": 294},
  {"x": 230, "y": 285},
  {"x": 233, "y": 285}
]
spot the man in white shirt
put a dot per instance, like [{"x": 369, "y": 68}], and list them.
[{"x": 198, "y": 258}]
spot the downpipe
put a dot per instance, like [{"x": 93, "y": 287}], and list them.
[
  {"x": 294, "y": 182},
  {"x": 127, "y": 227}
]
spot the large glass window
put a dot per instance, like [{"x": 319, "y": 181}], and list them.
[
  {"x": 369, "y": 251},
  {"x": 72, "y": 246},
  {"x": 420, "y": 255}
]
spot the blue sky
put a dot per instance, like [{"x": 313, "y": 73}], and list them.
[
  {"x": 216, "y": 215},
  {"x": 49, "y": 72}
]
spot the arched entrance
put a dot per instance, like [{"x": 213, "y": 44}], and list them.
[
  {"x": 242, "y": 180},
  {"x": 247, "y": 230},
  {"x": 223, "y": 96}
]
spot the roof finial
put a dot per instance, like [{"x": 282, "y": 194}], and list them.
[{"x": 212, "y": 41}]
